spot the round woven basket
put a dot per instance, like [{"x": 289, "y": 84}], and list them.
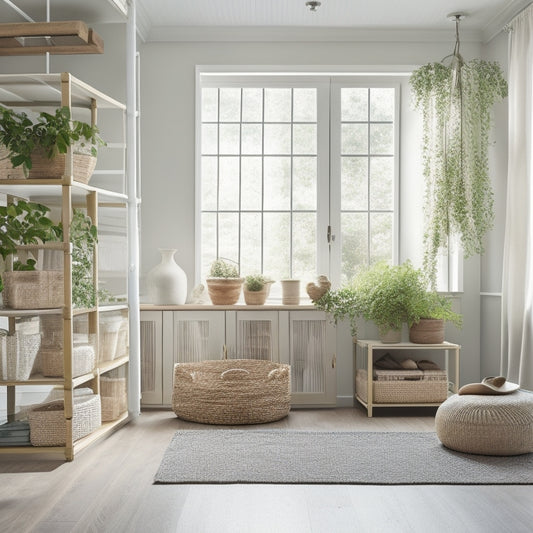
[
  {"x": 427, "y": 331},
  {"x": 231, "y": 392}
]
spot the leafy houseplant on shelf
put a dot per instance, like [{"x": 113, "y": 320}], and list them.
[
  {"x": 383, "y": 293},
  {"x": 340, "y": 304},
  {"x": 27, "y": 223},
  {"x": 224, "y": 283},
  {"x": 428, "y": 313},
  {"x": 38, "y": 147},
  {"x": 256, "y": 289}
]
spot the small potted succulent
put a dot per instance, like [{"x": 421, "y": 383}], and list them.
[
  {"x": 256, "y": 289},
  {"x": 224, "y": 282}
]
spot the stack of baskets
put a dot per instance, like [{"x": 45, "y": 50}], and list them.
[{"x": 113, "y": 336}]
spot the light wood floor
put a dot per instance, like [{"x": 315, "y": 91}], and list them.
[{"x": 108, "y": 488}]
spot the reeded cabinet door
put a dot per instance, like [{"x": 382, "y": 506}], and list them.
[
  {"x": 252, "y": 335},
  {"x": 310, "y": 350},
  {"x": 194, "y": 336},
  {"x": 151, "y": 330}
]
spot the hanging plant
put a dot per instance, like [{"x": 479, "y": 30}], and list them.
[{"x": 456, "y": 103}]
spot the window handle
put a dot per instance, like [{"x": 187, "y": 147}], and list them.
[{"x": 331, "y": 236}]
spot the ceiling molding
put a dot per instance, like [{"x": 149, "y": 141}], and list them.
[
  {"x": 299, "y": 34},
  {"x": 496, "y": 25}
]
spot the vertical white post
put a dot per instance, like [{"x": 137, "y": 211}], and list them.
[{"x": 134, "y": 396}]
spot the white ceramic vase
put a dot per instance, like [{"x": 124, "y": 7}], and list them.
[{"x": 167, "y": 281}]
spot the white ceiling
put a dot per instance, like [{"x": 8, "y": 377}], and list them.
[{"x": 283, "y": 19}]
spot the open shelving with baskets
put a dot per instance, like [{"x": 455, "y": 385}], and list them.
[
  {"x": 403, "y": 388},
  {"x": 79, "y": 356}
]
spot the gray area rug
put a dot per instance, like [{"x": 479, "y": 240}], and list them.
[{"x": 340, "y": 457}]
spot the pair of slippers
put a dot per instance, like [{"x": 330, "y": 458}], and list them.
[
  {"x": 491, "y": 385},
  {"x": 387, "y": 362}
]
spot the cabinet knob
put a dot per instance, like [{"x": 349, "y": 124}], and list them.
[{"x": 334, "y": 361}]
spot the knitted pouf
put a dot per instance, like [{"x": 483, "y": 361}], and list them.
[
  {"x": 487, "y": 424},
  {"x": 233, "y": 391}
]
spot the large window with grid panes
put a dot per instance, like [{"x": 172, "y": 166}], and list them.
[{"x": 297, "y": 176}]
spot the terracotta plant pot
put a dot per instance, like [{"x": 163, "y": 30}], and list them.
[
  {"x": 224, "y": 291},
  {"x": 427, "y": 331}
]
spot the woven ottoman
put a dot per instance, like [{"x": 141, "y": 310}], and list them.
[
  {"x": 231, "y": 392},
  {"x": 487, "y": 424}
]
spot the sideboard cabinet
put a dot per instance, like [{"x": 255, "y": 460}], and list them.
[{"x": 303, "y": 338}]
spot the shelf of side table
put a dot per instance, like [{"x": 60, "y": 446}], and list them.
[{"x": 372, "y": 345}]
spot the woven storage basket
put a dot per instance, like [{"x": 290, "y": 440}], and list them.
[
  {"x": 48, "y": 425},
  {"x": 224, "y": 291},
  {"x": 431, "y": 390},
  {"x": 109, "y": 328},
  {"x": 36, "y": 289},
  {"x": 114, "y": 397},
  {"x": 17, "y": 354},
  {"x": 44, "y": 168},
  {"x": 83, "y": 360},
  {"x": 238, "y": 391}
]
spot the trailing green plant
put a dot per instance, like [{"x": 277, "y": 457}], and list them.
[
  {"x": 84, "y": 237},
  {"x": 23, "y": 223},
  {"x": 222, "y": 268},
  {"x": 341, "y": 304},
  {"x": 256, "y": 282},
  {"x": 456, "y": 103},
  {"x": 52, "y": 134}
]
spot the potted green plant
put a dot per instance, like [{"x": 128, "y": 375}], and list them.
[
  {"x": 224, "y": 282},
  {"x": 27, "y": 223},
  {"x": 428, "y": 313},
  {"x": 256, "y": 289},
  {"x": 39, "y": 146},
  {"x": 383, "y": 293}
]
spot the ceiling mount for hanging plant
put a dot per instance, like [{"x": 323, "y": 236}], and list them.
[{"x": 38, "y": 38}]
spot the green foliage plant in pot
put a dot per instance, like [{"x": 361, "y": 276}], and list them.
[
  {"x": 39, "y": 147},
  {"x": 428, "y": 313},
  {"x": 224, "y": 283},
  {"x": 383, "y": 293},
  {"x": 256, "y": 289},
  {"x": 456, "y": 103}
]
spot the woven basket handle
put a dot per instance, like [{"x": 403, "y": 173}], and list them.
[
  {"x": 235, "y": 373},
  {"x": 277, "y": 373}
]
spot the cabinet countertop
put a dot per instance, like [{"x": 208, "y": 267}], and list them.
[{"x": 236, "y": 307}]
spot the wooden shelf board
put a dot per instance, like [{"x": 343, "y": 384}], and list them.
[
  {"x": 106, "y": 366},
  {"x": 36, "y": 379},
  {"x": 38, "y": 38}
]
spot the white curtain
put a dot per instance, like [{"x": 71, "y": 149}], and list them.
[{"x": 517, "y": 285}]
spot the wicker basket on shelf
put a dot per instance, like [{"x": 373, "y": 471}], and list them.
[
  {"x": 18, "y": 353},
  {"x": 114, "y": 397},
  {"x": 34, "y": 289},
  {"x": 44, "y": 168},
  {"x": 400, "y": 387},
  {"x": 48, "y": 424}
]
